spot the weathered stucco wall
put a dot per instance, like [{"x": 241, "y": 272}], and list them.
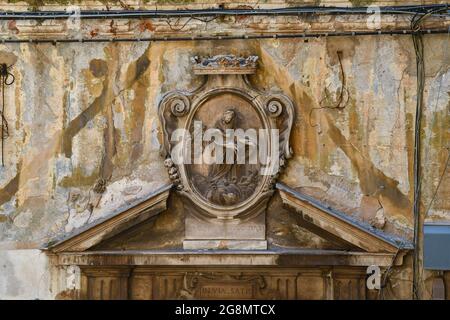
[{"x": 82, "y": 113}]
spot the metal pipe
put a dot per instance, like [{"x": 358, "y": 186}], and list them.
[
  {"x": 292, "y": 11},
  {"x": 234, "y": 37}
]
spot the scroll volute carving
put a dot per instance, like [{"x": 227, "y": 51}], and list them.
[
  {"x": 220, "y": 117},
  {"x": 172, "y": 111}
]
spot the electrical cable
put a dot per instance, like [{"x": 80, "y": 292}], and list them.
[
  {"x": 128, "y": 14},
  {"x": 224, "y": 37},
  {"x": 386, "y": 277},
  {"x": 420, "y": 68},
  {"x": 4, "y": 76},
  {"x": 343, "y": 91}
]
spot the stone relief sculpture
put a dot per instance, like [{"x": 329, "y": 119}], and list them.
[
  {"x": 226, "y": 118},
  {"x": 228, "y": 183},
  {"x": 210, "y": 65}
]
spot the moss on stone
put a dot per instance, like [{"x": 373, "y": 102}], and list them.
[{"x": 78, "y": 178}]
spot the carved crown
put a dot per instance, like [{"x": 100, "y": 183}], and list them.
[{"x": 225, "y": 64}]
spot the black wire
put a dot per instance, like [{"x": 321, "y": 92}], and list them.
[
  {"x": 4, "y": 76},
  {"x": 386, "y": 276},
  {"x": 341, "y": 100},
  {"x": 127, "y": 14},
  {"x": 4, "y": 126},
  {"x": 420, "y": 68},
  {"x": 228, "y": 37}
]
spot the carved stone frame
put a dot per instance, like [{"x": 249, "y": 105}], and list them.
[{"x": 177, "y": 110}]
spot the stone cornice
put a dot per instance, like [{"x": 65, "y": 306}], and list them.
[
  {"x": 252, "y": 26},
  {"x": 282, "y": 258},
  {"x": 92, "y": 234},
  {"x": 63, "y": 29},
  {"x": 319, "y": 217}
]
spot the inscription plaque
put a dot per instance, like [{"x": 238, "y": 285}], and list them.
[
  {"x": 223, "y": 290},
  {"x": 222, "y": 286}
]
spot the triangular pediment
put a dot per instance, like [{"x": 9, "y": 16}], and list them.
[
  {"x": 92, "y": 234},
  {"x": 337, "y": 226},
  {"x": 131, "y": 228}
]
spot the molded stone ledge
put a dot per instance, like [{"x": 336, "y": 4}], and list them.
[
  {"x": 282, "y": 257},
  {"x": 249, "y": 25},
  {"x": 225, "y": 244}
]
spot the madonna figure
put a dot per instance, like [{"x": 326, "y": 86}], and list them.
[{"x": 223, "y": 170}]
